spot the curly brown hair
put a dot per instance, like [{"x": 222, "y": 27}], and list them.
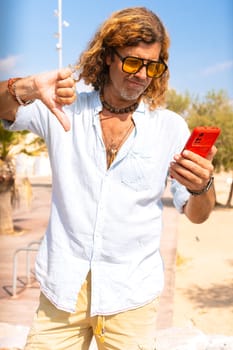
[{"x": 127, "y": 27}]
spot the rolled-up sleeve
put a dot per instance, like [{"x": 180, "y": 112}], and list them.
[{"x": 180, "y": 195}]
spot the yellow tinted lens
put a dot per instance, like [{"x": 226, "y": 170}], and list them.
[
  {"x": 155, "y": 69},
  {"x": 132, "y": 64}
]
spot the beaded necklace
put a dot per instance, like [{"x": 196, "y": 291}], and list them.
[{"x": 115, "y": 110}]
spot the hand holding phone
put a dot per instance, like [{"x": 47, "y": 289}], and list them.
[{"x": 202, "y": 139}]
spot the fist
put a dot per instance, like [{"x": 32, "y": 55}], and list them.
[{"x": 65, "y": 89}]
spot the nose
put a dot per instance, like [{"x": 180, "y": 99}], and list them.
[{"x": 142, "y": 72}]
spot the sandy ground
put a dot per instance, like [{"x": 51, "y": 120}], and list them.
[{"x": 204, "y": 270}]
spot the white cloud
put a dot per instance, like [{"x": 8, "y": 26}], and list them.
[
  {"x": 9, "y": 63},
  {"x": 217, "y": 68}
]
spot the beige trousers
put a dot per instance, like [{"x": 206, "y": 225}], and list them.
[{"x": 54, "y": 329}]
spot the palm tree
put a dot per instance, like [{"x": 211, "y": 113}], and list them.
[{"x": 11, "y": 144}]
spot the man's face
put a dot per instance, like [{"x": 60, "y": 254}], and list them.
[{"x": 126, "y": 86}]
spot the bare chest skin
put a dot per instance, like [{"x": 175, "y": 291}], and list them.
[{"x": 115, "y": 131}]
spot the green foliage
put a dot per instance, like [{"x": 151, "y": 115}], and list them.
[
  {"x": 12, "y": 143},
  {"x": 177, "y": 102},
  {"x": 216, "y": 110},
  {"x": 7, "y": 141}
]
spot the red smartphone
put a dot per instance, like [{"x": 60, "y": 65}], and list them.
[{"x": 202, "y": 139}]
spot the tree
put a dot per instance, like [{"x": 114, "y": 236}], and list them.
[
  {"x": 7, "y": 180},
  {"x": 12, "y": 143},
  {"x": 177, "y": 102},
  {"x": 217, "y": 110}
]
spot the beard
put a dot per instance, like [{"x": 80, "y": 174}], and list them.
[{"x": 130, "y": 93}]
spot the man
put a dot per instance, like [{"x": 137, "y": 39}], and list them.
[{"x": 99, "y": 265}]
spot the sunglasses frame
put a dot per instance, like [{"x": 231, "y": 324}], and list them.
[{"x": 143, "y": 64}]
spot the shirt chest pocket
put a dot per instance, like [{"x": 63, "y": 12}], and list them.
[{"x": 140, "y": 172}]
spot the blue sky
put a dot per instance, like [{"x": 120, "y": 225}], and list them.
[{"x": 201, "y": 32}]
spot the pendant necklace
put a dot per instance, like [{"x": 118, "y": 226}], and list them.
[{"x": 112, "y": 149}]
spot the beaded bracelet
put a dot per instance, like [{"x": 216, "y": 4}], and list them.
[{"x": 12, "y": 90}]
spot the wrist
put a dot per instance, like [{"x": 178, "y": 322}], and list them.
[
  {"x": 22, "y": 90},
  {"x": 204, "y": 189}
]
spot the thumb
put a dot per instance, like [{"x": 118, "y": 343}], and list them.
[
  {"x": 212, "y": 153},
  {"x": 62, "y": 117}
]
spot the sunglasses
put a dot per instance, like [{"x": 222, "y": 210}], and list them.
[{"x": 132, "y": 65}]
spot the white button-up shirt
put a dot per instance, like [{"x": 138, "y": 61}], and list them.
[{"x": 105, "y": 220}]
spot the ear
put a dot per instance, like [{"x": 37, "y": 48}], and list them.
[
  {"x": 109, "y": 56},
  {"x": 108, "y": 59}
]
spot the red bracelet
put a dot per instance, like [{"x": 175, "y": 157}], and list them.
[
  {"x": 11, "y": 88},
  {"x": 10, "y": 84}
]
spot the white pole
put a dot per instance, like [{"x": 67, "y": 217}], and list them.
[{"x": 59, "y": 34}]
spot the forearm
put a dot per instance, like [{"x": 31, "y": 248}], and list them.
[
  {"x": 55, "y": 89},
  {"x": 198, "y": 208},
  {"x": 24, "y": 89}
]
